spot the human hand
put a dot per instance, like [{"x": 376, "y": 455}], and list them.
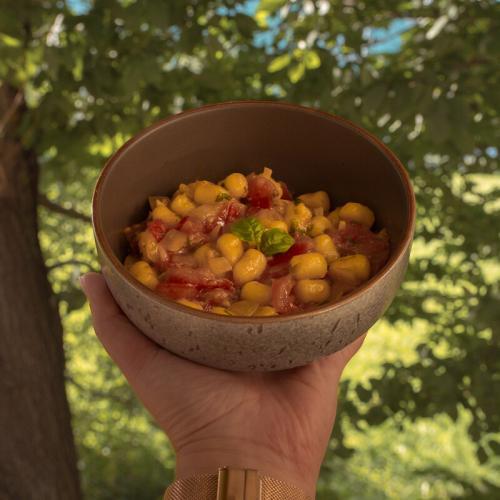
[{"x": 276, "y": 422}]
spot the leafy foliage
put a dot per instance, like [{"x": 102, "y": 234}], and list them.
[{"x": 93, "y": 78}]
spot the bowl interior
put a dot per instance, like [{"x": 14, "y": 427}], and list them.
[{"x": 308, "y": 150}]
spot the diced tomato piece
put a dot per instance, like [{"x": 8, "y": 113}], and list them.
[
  {"x": 301, "y": 245},
  {"x": 355, "y": 238},
  {"x": 202, "y": 279},
  {"x": 218, "y": 297},
  {"x": 191, "y": 225},
  {"x": 260, "y": 191},
  {"x": 177, "y": 290},
  {"x": 286, "y": 192},
  {"x": 234, "y": 210},
  {"x": 282, "y": 299},
  {"x": 158, "y": 229}
]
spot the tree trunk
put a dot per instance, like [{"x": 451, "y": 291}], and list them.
[{"x": 37, "y": 454}]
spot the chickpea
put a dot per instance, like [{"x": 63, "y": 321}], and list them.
[
  {"x": 129, "y": 261},
  {"x": 274, "y": 223},
  {"x": 319, "y": 224},
  {"x": 174, "y": 240},
  {"x": 144, "y": 273},
  {"x": 237, "y": 185},
  {"x": 243, "y": 308},
  {"x": 219, "y": 265},
  {"x": 312, "y": 291},
  {"x": 206, "y": 192},
  {"x": 148, "y": 246},
  {"x": 266, "y": 311},
  {"x": 351, "y": 269},
  {"x": 163, "y": 213},
  {"x": 250, "y": 267},
  {"x": 182, "y": 205},
  {"x": 298, "y": 217},
  {"x": 231, "y": 247},
  {"x": 254, "y": 291},
  {"x": 319, "y": 199},
  {"x": 334, "y": 218},
  {"x": 204, "y": 253},
  {"x": 190, "y": 303},
  {"x": 308, "y": 266},
  {"x": 355, "y": 212},
  {"x": 325, "y": 245}
]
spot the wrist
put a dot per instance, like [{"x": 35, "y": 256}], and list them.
[{"x": 193, "y": 460}]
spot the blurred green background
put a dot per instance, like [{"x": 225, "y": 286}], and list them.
[{"x": 420, "y": 404}]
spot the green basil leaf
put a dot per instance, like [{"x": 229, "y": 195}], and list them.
[
  {"x": 275, "y": 241},
  {"x": 249, "y": 229},
  {"x": 222, "y": 197}
]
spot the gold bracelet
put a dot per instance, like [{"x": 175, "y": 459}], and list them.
[{"x": 233, "y": 484}]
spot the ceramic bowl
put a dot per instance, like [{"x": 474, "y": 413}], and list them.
[{"x": 309, "y": 150}]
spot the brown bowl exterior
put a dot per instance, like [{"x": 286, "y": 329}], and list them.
[{"x": 306, "y": 148}]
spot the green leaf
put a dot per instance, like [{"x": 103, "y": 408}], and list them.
[
  {"x": 295, "y": 73},
  {"x": 279, "y": 63},
  {"x": 275, "y": 241},
  {"x": 312, "y": 60},
  {"x": 222, "y": 197},
  {"x": 9, "y": 41},
  {"x": 249, "y": 229}
]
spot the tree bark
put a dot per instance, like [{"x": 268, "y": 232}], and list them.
[{"x": 37, "y": 453}]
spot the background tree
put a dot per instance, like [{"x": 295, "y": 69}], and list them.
[{"x": 79, "y": 78}]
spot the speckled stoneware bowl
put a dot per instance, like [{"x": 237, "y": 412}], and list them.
[{"x": 309, "y": 150}]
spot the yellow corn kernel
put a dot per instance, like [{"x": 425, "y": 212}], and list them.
[
  {"x": 334, "y": 218},
  {"x": 325, "y": 246},
  {"x": 204, "y": 253},
  {"x": 144, "y": 273},
  {"x": 174, "y": 240},
  {"x": 351, "y": 269},
  {"x": 355, "y": 212},
  {"x": 182, "y": 205},
  {"x": 308, "y": 266},
  {"x": 312, "y": 291},
  {"x": 243, "y": 308},
  {"x": 319, "y": 224},
  {"x": 250, "y": 267},
  {"x": 219, "y": 310},
  {"x": 266, "y": 311},
  {"x": 219, "y": 265},
  {"x": 129, "y": 261},
  {"x": 237, "y": 185},
  {"x": 254, "y": 291},
  {"x": 319, "y": 199},
  {"x": 163, "y": 213},
  {"x": 190, "y": 303},
  {"x": 207, "y": 192},
  {"x": 148, "y": 246},
  {"x": 231, "y": 247}
]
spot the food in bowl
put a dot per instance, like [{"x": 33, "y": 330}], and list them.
[{"x": 246, "y": 247}]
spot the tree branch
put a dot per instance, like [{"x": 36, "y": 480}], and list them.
[
  {"x": 11, "y": 111},
  {"x": 72, "y": 261},
  {"x": 69, "y": 212}
]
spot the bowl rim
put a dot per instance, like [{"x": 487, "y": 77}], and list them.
[{"x": 394, "y": 258}]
